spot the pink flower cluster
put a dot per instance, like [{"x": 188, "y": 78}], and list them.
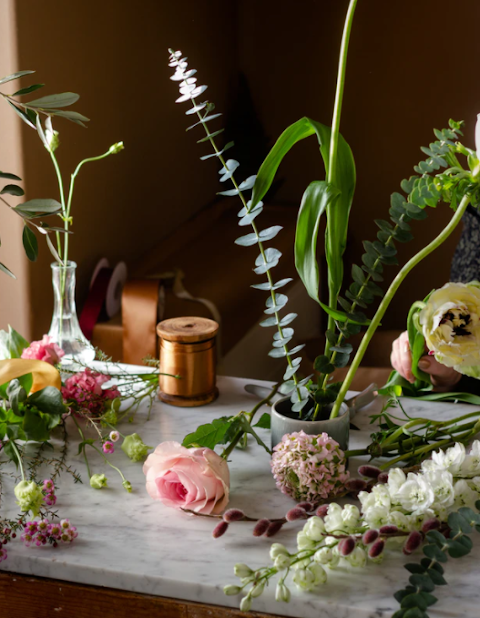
[
  {"x": 49, "y": 490},
  {"x": 3, "y": 553},
  {"x": 42, "y": 532},
  {"x": 84, "y": 391},
  {"x": 309, "y": 468},
  {"x": 45, "y": 350}
]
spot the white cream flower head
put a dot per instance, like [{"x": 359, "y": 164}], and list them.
[{"x": 451, "y": 326}]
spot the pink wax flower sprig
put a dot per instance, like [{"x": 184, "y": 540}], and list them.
[
  {"x": 108, "y": 447},
  {"x": 49, "y": 498},
  {"x": 309, "y": 467},
  {"x": 40, "y": 532},
  {"x": 45, "y": 350},
  {"x": 84, "y": 392}
]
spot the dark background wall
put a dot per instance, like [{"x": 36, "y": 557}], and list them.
[{"x": 412, "y": 66}]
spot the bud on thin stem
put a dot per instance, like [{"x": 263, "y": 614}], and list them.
[
  {"x": 233, "y": 515},
  {"x": 383, "y": 477},
  {"x": 307, "y": 506},
  {"x": 356, "y": 485},
  {"x": 388, "y": 529},
  {"x": 370, "y": 537},
  {"x": 430, "y": 524},
  {"x": 261, "y": 527},
  {"x": 274, "y": 527},
  {"x": 296, "y": 513},
  {"x": 376, "y": 549},
  {"x": 346, "y": 546},
  {"x": 322, "y": 510},
  {"x": 370, "y": 472},
  {"x": 220, "y": 529},
  {"x": 413, "y": 542}
]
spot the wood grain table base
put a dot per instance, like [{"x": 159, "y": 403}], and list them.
[{"x": 22, "y": 596}]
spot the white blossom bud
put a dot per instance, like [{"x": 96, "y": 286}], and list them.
[
  {"x": 358, "y": 557},
  {"x": 314, "y": 528},
  {"x": 242, "y": 570},
  {"x": 231, "y": 590},
  {"x": 323, "y": 556},
  {"x": 281, "y": 562},
  {"x": 257, "y": 590},
  {"x": 277, "y": 549},
  {"x": 246, "y": 604},
  {"x": 282, "y": 593},
  {"x": 304, "y": 542}
]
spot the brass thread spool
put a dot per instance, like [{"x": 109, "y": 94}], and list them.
[{"x": 187, "y": 349}]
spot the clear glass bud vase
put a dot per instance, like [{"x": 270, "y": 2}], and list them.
[{"x": 65, "y": 329}]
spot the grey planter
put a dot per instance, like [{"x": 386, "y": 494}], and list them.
[{"x": 337, "y": 428}]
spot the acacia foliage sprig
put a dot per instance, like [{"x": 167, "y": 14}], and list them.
[{"x": 440, "y": 178}]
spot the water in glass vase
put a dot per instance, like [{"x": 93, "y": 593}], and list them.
[{"x": 65, "y": 329}]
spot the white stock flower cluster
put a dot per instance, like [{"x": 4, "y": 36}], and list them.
[{"x": 446, "y": 482}]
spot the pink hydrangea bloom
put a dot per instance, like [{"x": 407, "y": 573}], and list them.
[
  {"x": 45, "y": 350},
  {"x": 309, "y": 468},
  {"x": 85, "y": 391}
]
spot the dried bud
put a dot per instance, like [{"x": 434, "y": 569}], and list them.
[
  {"x": 370, "y": 472},
  {"x": 431, "y": 524},
  {"x": 413, "y": 542},
  {"x": 306, "y": 506},
  {"x": 369, "y": 537},
  {"x": 346, "y": 546},
  {"x": 274, "y": 527},
  {"x": 261, "y": 527},
  {"x": 296, "y": 513},
  {"x": 220, "y": 529},
  {"x": 376, "y": 549},
  {"x": 322, "y": 510},
  {"x": 356, "y": 485},
  {"x": 388, "y": 529},
  {"x": 233, "y": 515},
  {"x": 383, "y": 478}
]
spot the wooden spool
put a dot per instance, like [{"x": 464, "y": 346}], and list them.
[{"x": 187, "y": 349}]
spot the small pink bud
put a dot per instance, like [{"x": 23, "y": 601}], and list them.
[
  {"x": 274, "y": 527},
  {"x": 369, "y": 537},
  {"x": 388, "y": 529},
  {"x": 220, "y": 529},
  {"x": 413, "y": 542},
  {"x": 306, "y": 506},
  {"x": 383, "y": 477},
  {"x": 322, "y": 510},
  {"x": 296, "y": 513},
  {"x": 346, "y": 546},
  {"x": 376, "y": 549},
  {"x": 261, "y": 527},
  {"x": 233, "y": 515},
  {"x": 370, "y": 472},
  {"x": 356, "y": 485},
  {"x": 430, "y": 524}
]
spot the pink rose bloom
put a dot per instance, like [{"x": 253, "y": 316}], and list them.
[
  {"x": 190, "y": 478},
  {"x": 45, "y": 350},
  {"x": 85, "y": 391}
]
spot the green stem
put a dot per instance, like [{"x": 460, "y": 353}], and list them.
[
  {"x": 84, "y": 449},
  {"x": 110, "y": 464},
  {"x": 416, "y": 259},
  {"x": 17, "y": 453},
  {"x": 332, "y": 164}
]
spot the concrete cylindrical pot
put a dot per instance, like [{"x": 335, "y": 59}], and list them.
[{"x": 283, "y": 421}]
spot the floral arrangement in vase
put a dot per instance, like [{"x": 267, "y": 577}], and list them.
[{"x": 64, "y": 329}]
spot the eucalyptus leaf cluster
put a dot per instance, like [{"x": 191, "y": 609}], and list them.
[{"x": 417, "y": 597}]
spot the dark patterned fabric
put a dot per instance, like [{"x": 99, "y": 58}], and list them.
[
  {"x": 465, "y": 268},
  {"x": 466, "y": 259}
]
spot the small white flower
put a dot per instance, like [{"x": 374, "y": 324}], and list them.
[
  {"x": 396, "y": 478},
  {"x": 323, "y": 556},
  {"x": 281, "y": 562},
  {"x": 351, "y": 517},
  {"x": 377, "y": 516},
  {"x": 282, "y": 593},
  {"x": 304, "y": 542},
  {"x": 242, "y": 570},
  {"x": 246, "y": 604},
  {"x": 358, "y": 557},
  {"x": 441, "y": 483},
  {"x": 451, "y": 459},
  {"x": 333, "y": 519},
  {"x": 314, "y": 528},
  {"x": 415, "y": 495},
  {"x": 114, "y": 436},
  {"x": 257, "y": 590},
  {"x": 471, "y": 465},
  {"x": 277, "y": 549},
  {"x": 464, "y": 495},
  {"x": 399, "y": 519}
]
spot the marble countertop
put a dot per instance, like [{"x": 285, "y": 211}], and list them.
[{"x": 129, "y": 542}]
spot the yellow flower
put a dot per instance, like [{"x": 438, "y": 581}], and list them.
[{"x": 451, "y": 326}]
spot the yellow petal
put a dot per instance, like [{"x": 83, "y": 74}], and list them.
[{"x": 43, "y": 373}]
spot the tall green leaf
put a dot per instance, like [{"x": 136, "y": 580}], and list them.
[
  {"x": 314, "y": 202},
  {"x": 30, "y": 244}
]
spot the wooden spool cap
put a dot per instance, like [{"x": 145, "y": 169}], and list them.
[
  {"x": 187, "y": 349},
  {"x": 187, "y": 329}
]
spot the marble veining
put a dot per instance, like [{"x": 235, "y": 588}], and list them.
[{"x": 128, "y": 542}]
